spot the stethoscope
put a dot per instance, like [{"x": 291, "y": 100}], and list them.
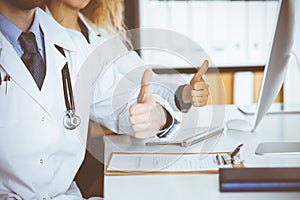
[{"x": 71, "y": 120}]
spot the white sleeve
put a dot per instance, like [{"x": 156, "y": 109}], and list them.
[{"x": 117, "y": 88}]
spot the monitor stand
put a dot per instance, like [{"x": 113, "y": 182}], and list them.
[
  {"x": 281, "y": 148},
  {"x": 278, "y": 148},
  {"x": 276, "y": 108}
]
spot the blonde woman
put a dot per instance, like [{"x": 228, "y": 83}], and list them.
[
  {"x": 93, "y": 18},
  {"x": 91, "y": 21},
  {"x": 97, "y": 19},
  {"x": 67, "y": 13}
]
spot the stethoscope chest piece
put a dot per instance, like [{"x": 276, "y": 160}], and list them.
[{"x": 71, "y": 121}]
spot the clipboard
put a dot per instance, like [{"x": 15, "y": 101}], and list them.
[{"x": 110, "y": 171}]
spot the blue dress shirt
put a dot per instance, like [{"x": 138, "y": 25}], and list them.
[{"x": 11, "y": 32}]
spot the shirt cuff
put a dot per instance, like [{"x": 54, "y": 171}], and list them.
[
  {"x": 126, "y": 128},
  {"x": 168, "y": 132},
  {"x": 175, "y": 121},
  {"x": 183, "y": 107}
]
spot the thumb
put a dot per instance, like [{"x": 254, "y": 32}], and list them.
[
  {"x": 145, "y": 84},
  {"x": 198, "y": 76}
]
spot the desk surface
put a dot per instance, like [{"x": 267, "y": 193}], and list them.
[{"x": 274, "y": 128}]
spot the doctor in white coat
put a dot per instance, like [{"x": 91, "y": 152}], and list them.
[
  {"x": 128, "y": 63},
  {"x": 39, "y": 156},
  {"x": 87, "y": 35}
]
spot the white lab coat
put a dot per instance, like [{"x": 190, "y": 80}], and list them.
[
  {"x": 119, "y": 82},
  {"x": 39, "y": 157}
]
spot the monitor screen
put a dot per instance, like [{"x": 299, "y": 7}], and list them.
[{"x": 277, "y": 61}]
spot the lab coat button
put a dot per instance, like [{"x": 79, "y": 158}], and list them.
[
  {"x": 44, "y": 198},
  {"x": 43, "y": 119},
  {"x": 41, "y": 161}
]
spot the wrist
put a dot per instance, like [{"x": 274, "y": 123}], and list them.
[
  {"x": 163, "y": 114},
  {"x": 186, "y": 94},
  {"x": 166, "y": 120},
  {"x": 183, "y": 98}
]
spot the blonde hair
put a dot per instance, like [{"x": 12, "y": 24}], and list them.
[{"x": 107, "y": 14}]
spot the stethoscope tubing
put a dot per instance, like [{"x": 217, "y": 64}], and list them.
[{"x": 71, "y": 120}]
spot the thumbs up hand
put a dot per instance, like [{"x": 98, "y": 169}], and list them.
[
  {"x": 197, "y": 91},
  {"x": 147, "y": 117}
]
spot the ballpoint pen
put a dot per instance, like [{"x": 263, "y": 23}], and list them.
[
  {"x": 202, "y": 135},
  {"x": 7, "y": 80},
  {"x": 219, "y": 161},
  {"x": 0, "y": 79},
  {"x": 236, "y": 151}
]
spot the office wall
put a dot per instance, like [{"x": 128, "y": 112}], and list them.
[
  {"x": 292, "y": 82},
  {"x": 234, "y": 33}
]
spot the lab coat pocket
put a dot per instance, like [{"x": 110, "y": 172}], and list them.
[{"x": 8, "y": 104}]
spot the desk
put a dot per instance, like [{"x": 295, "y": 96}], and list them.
[{"x": 191, "y": 187}]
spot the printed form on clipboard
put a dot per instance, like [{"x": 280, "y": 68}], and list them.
[{"x": 166, "y": 163}]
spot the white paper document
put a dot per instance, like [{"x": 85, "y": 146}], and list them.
[{"x": 163, "y": 162}]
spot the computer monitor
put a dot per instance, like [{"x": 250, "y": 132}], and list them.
[
  {"x": 274, "y": 75},
  {"x": 276, "y": 65},
  {"x": 277, "y": 61}
]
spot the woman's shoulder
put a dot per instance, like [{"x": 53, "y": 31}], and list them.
[{"x": 96, "y": 33}]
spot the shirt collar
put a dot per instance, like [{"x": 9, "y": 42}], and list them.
[
  {"x": 35, "y": 28},
  {"x": 11, "y": 32},
  {"x": 84, "y": 30},
  {"x": 50, "y": 29}
]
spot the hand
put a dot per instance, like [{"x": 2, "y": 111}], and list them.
[
  {"x": 147, "y": 117},
  {"x": 197, "y": 91}
]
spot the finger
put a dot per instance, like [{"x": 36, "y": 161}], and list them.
[
  {"x": 199, "y": 104},
  {"x": 200, "y": 86},
  {"x": 144, "y": 127},
  {"x": 141, "y": 127},
  {"x": 203, "y": 69},
  {"x": 145, "y": 84},
  {"x": 137, "y": 109},
  {"x": 146, "y": 134},
  {"x": 140, "y": 119},
  {"x": 200, "y": 93},
  {"x": 198, "y": 76},
  {"x": 199, "y": 100},
  {"x": 196, "y": 100}
]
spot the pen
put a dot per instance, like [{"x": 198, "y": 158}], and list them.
[
  {"x": 7, "y": 80},
  {"x": 236, "y": 151},
  {"x": 200, "y": 137},
  {"x": 218, "y": 159},
  {"x": 0, "y": 79}
]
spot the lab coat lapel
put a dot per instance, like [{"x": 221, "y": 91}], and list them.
[
  {"x": 54, "y": 34},
  {"x": 94, "y": 33},
  {"x": 14, "y": 66},
  {"x": 55, "y": 61}
]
